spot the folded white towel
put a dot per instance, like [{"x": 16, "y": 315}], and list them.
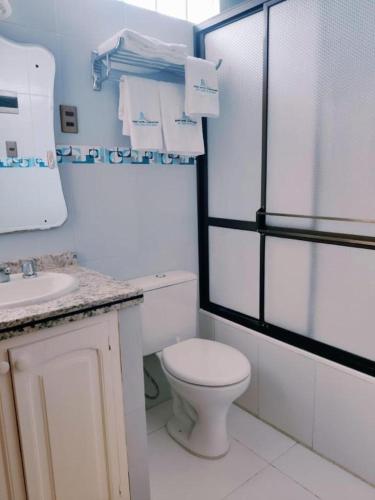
[
  {"x": 123, "y": 106},
  {"x": 142, "y": 97},
  {"x": 182, "y": 135},
  {"x": 5, "y": 9},
  {"x": 146, "y": 46},
  {"x": 202, "y": 90}
]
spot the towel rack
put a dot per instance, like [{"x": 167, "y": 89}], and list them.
[{"x": 119, "y": 61}]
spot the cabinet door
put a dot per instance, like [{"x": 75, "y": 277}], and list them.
[
  {"x": 69, "y": 408},
  {"x": 12, "y": 486}
]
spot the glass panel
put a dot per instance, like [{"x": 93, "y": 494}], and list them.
[
  {"x": 321, "y": 143},
  {"x": 235, "y": 138},
  {"x": 325, "y": 292},
  {"x": 234, "y": 269}
]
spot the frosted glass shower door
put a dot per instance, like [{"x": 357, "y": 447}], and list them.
[
  {"x": 325, "y": 292},
  {"x": 234, "y": 165},
  {"x": 235, "y": 138},
  {"x": 295, "y": 138},
  {"x": 234, "y": 269},
  {"x": 321, "y": 114}
]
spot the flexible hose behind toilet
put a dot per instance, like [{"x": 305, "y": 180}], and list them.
[{"x": 154, "y": 383}]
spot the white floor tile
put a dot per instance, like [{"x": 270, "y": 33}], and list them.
[
  {"x": 176, "y": 474},
  {"x": 324, "y": 479},
  {"x": 270, "y": 484},
  {"x": 158, "y": 416},
  {"x": 261, "y": 438}
]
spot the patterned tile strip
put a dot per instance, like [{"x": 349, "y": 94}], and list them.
[
  {"x": 67, "y": 154},
  {"x": 22, "y": 163}
]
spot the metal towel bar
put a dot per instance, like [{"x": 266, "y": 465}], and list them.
[
  {"x": 119, "y": 61},
  {"x": 321, "y": 217}
]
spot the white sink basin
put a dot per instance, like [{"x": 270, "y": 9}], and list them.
[{"x": 21, "y": 291}]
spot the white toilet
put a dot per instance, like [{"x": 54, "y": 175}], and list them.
[{"x": 205, "y": 376}]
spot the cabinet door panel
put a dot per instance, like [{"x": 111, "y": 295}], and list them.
[
  {"x": 68, "y": 416},
  {"x": 12, "y": 485}
]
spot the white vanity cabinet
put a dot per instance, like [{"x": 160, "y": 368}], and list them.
[{"x": 64, "y": 390}]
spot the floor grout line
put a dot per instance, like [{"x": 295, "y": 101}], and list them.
[
  {"x": 250, "y": 449},
  {"x": 283, "y": 453},
  {"x": 295, "y": 481},
  {"x": 248, "y": 480}
]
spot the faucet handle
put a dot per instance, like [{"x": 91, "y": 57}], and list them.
[
  {"x": 29, "y": 269},
  {"x": 4, "y": 269},
  {"x": 4, "y": 273}
]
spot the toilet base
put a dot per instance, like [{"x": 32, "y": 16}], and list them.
[
  {"x": 181, "y": 436},
  {"x": 199, "y": 422}
]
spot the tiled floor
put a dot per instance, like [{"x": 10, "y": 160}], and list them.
[{"x": 262, "y": 464}]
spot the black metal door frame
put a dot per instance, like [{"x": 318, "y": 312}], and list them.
[{"x": 308, "y": 344}]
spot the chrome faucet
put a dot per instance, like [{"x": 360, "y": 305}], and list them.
[
  {"x": 29, "y": 269},
  {"x": 4, "y": 274}
]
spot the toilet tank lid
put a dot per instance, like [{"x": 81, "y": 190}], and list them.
[{"x": 161, "y": 280}]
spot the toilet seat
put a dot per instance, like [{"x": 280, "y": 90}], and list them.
[{"x": 206, "y": 363}]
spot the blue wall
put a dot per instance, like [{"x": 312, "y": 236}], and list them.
[{"x": 123, "y": 220}]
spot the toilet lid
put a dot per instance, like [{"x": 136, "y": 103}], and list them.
[{"x": 206, "y": 362}]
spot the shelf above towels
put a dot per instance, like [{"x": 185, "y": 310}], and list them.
[{"x": 110, "y": 65}]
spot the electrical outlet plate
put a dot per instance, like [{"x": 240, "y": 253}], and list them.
[{"x": 69, "y": 119}]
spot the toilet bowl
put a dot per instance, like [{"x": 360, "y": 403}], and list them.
[{"x": 205, "y": 378}]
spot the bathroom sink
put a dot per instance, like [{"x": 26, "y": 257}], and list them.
[{"x": 20, "y": 291}]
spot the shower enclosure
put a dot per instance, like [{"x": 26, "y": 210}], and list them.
[{"x": 286, "y": 192}]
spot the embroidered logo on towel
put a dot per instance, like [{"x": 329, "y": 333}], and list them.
[
  {"x": 144, "y": 122},
  {"x": 185, "y": 120},
  {"x": 204, "y": 88}
]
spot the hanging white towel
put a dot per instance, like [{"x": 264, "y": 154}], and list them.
[
  {"x": 182, "y": 135},
  {"x": 146, "y": 46},
  {"x": 202, "y": 90},
  {"x": 123, "y": 106},
  {"x": 142, "y": 96}
]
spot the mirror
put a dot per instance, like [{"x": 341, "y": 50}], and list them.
[{"x": 31, "y": 195}]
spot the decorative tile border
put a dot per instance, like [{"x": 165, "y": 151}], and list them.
[
  {"x": 117, "y": 156},
  {"x": 22, "y": 163},
  {"x": 99, "y": 154}
]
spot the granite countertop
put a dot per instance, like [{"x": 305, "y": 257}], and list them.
[{"x": 96, "y": 294}]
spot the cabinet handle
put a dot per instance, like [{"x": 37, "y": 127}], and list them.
[
  {"x": 4, "y": 367},
  {"x": 22, "y": 364}
]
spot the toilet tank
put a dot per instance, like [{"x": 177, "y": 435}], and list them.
[{"x": 169, "y": 311}]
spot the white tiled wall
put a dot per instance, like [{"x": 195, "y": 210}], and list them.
[
  {"x": 286, "y": 390},
  {"x": 321, "y": 404},
  {"x": 237, "y": 336},
  {"x": 345, "y": 420}
]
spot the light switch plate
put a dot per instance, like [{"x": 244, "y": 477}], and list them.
[
  {"x": 11, "y": 149},
  {"x": 69, "y": 119}
]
